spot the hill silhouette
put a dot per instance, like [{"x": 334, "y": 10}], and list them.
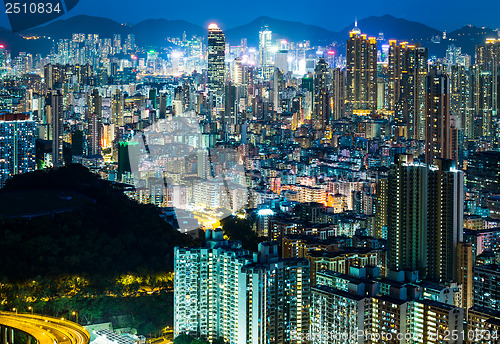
[
  {"x": 293, "y": 31},
  {"x": 105, "y": 236}
]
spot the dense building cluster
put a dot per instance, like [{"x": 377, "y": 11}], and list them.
[{"x": 373, "y": 177}]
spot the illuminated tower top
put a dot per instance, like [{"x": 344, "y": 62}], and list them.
[{"x": 356, "y": 29}]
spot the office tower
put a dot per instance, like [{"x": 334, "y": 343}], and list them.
[
  {"x": 445, "y": 203},
  {"x": 486, "y": 292},
  {"x": 407, "y": 210},
  {"x": 487, "y": 79},
  {"x": 338, "y": 93},
  {"x": 17, "y": 139},
  {"x": 94, "y": 134},
  {"x": 407, "y": 73},
  {"x": 216, "y": 60},
  {"x": 281, "y": 61},
  {"x": 381, "y": 210},
  {"x": 220, "y": 291},
  {"x": 321, "y": 109},
  {"x": 265, "y": 53},
  {"x": 361, "y": 72},
  {"x": 465, "y": 273},
  {"x": 55, "y": 113},
  {"x": 238, "y": 71},
  {"x": 440, "y": 136}
]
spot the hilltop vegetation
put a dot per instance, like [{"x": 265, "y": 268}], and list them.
[{"x": 100, "y": 238}]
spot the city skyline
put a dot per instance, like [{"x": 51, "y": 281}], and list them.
[
  {"x": 455, "y": 18},
  {"x": 198, "y": 188}
]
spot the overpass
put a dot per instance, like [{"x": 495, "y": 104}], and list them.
[{"x": 43, "y": 329}]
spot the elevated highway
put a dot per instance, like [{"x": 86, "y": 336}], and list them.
[{"x": 42, "y": 329}]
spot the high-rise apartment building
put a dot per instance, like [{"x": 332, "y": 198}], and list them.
[
  {"x": 94, "y": 134},
  {"x": 17, "y": 140},
  {"x": 221, "y": 291},
  {"x": 206, "y": 288},
  {"x": 487, "y": 80},
  {"x": 445, "y": 204},
  {"x": 338, "y": 93},
  {"x": 407, "y": 71},
  {"x": 381, "y": 210},
  {"x": 441, "y": 140},
  {"x": 55, "y": 114},
  {"x": 462, "y": 99},
  {"x": 465, "y": 273},
  {"x": 361, "y": 69},
  {"x": 483, "y": 172},
  {"x": 407, "y": 211},
  {"x": 321, "y": 108},
  {"x": 425, "y": 218},
  {"x": 486, "y": 286},
  {"x": 357, "y": 308}
]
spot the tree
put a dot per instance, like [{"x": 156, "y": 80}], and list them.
[
  {"x": 183, "y": 339},
  {"x": 241, "y": 229}
]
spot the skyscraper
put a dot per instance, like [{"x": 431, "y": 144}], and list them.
[
  {"x": 55, "y": 105},
  {"x": 94, "y": 123},
  {"x": 321, "y": 109},
  {"x": 361, "y": 70},
  {"x": 381, "y": 209},
  {"x": 265, "y": 53},
  {"x": 338, "y": 93},
  {"x": 465, "y": 273},
  {"x": 445, "y": 205},
  {"x": 407, "y": 215},
  {"x": 220, "y": 291},
  {"x": 17, "y": 140},
  {"x": 487, "y": 80},
  {"x": 462, "y": 99},
  {"x": 216, "y": 59},
  {"x": 425, "y": 218},
  {"x": 407, "y": 72},
  {"x": 440, "y": 134}
]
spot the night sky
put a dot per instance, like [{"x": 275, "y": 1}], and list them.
[{"x": 334, "y": 15}]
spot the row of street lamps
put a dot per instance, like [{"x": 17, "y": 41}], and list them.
[{"x": 74, "y": 313}]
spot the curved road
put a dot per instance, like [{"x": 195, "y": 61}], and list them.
[{"x": 46, "y": 330}]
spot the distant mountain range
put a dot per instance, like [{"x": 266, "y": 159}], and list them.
[
  {"x": 154, "y": 33},
  {"x": 293, "y": 31}
]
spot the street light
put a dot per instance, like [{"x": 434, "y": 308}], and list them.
[
  {"x": 76, "y": 316},
  {"x": 14, "y": 310},
  {"x": 31, "y": 309}
]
